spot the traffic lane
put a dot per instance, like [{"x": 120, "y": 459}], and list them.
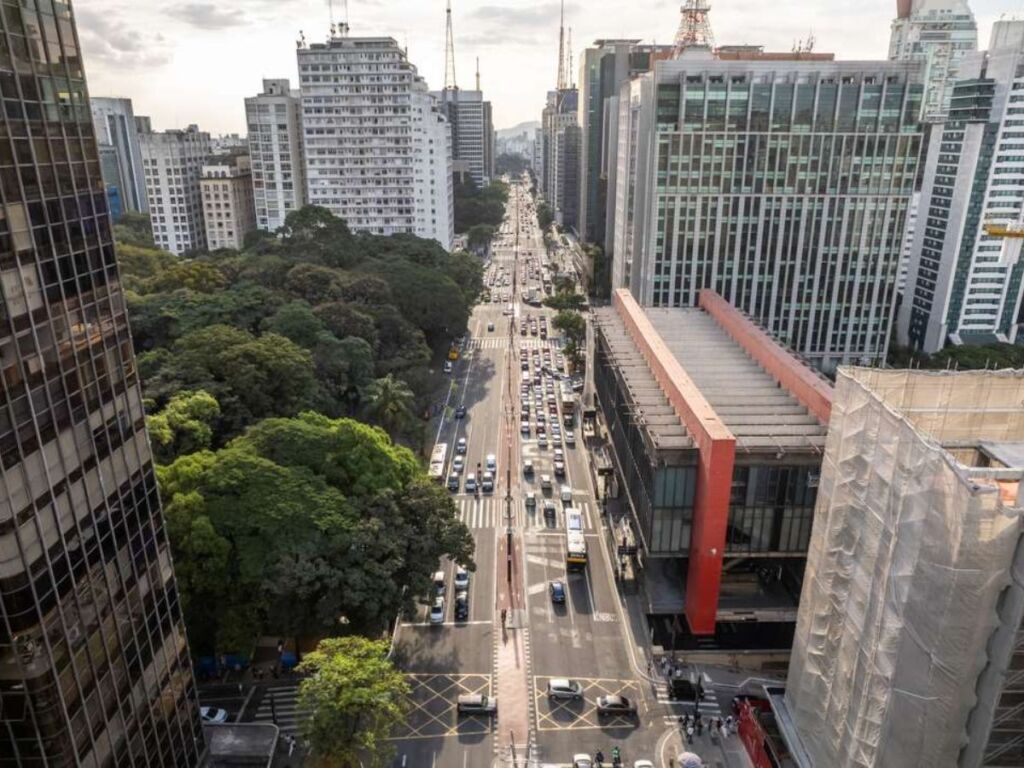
[
  {"x": 452, "y": 647},
  {"x": 230, "y": 697},
  {"x": 461, "y": 751},
  {"x": 482, "y": 582},
  {"x": 636, "y": 742}
]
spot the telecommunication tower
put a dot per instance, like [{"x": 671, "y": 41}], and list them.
[
  {"x": 694, "y": 27},
  {"x": 449, "y": 52},
  {"x": 561, "y": 85}
]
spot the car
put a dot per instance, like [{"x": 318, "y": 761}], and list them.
[
  {"x": 528, "y": 467},
  {"x": 564, "y": 688},
  {"x": 566, "y": 494},
  {"x": 508, "y": 310},
  {"x": 213, "y": 715},
  {"x": 476, "y": 704},
  {"x": 541, "y": 418},
  {"x": 608, "y": 706},
  {"x": 559, "y": 469},
  {"x": 461, "y": 580},
  {"x": 437, "y": 611},
  {"x": 643, "y": 764},
  {"x": 570, "y": 438},
  {"x": 545, "y": 482},
  {"x": 487, "y": 483},
  {"x": 453, "y": 482},
  {"x": 447, "y": 366},
  {"x": 549, "y": 509},
  {"x": 492, "y": 462},
  {"x": 470, "y": 484},
  {"x": 557, "y": 591},
  {"x": 460, "y": 412},
  {"x": 461, "y": 445},
  {"x": 581, "y": 760},
  {"x": 490, "y": 326},
  {"x": 438, "y": 581},
  {"x": 461, "y": 606},
  {"x": 524, "y": 365},
  {"x": 524, "y": 428},
  {"x": 458, "y": 463},
  {"x": 542, "y": 439}
]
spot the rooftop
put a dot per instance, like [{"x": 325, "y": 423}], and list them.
[{"x": 717, "y": 365}]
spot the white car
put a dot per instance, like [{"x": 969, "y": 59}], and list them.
[
  {"x": 564, "y": 688},
  {"x": 492, "y": 462},
  {"x": 581, "y": 761},
  {"x": 461, "y": 578},
  {"x": 458, "y": 463},
  {"x": 643, "y": 764},
  {"x": 566, "y": 494},
  {"x": 437, "y": 611}
]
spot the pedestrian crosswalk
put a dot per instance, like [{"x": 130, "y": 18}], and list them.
[
  {"x": 501, "y": 342},
  {"x": 491, "y": 512},
  {"x": 279, "y": 705}
]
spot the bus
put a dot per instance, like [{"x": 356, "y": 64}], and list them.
[
  {"x": 568, "y": 408},
  {"x": 438, "y": 460},
  {"x": 575, "y": 543}
]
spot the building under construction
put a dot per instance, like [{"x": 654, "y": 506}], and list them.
[{"x": 909, "y": 647}]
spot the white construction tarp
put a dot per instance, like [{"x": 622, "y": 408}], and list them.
[{"x": 907, "y": 560}]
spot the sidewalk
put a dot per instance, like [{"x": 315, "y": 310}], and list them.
[{"x": 511, "y": 655}]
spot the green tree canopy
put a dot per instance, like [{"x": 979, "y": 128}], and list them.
[
  {"x": 354, "y": 697},
  {"x": 185, "y": 425},
  {"x": 565, "y": 300}
]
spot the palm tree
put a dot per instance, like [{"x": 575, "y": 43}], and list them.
[{"x": 389, "y": 403}]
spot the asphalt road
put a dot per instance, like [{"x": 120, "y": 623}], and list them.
[{"x": 584, "y": 639}]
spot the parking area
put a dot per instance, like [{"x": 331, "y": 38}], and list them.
[
  {"x": 566, "y": 715},
  {"x": 432, "y": 707},
  {"x": 230, "y": 697}
]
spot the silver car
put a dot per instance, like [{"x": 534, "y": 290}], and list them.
[{"x": 564, "y": 688}]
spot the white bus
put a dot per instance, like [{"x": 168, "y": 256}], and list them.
[
  {"x": 438, "y": 460},
  {"x": 575, "y": 543}
]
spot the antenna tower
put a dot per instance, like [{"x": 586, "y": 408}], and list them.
[
  {"x": 694, "y": 27},
  {"x": 561, "y": 50},
  {"x": 449, "y": 52},
  {"x": 568, "y": 62},
  {"x": 478, "y": 73}
]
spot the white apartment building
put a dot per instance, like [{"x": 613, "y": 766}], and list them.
[
  {"x": 369, "y": 127},
  {"x": 274, "y": 118},
  {"x": 939, "y": 33},
  {"x": 965, "y": 279},
  {"x": 173, "y": 164},
  {"x": 228, "y": 208}
]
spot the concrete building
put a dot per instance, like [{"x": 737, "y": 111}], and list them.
[
  {"x": 472, "y": 127},
  {"x": 94, "y": 664},
  {"x": 274, "y": 118},
  {"x": 909, "y": 647},
  {"x": 228, "y": 143},
  {"x": 965, "y": 278},
  {"x": 603, "y": 68},
  {"x": 372, "y": 139},
  {"x": 173, "y": 163},
  {"x": 716, "y": 433},
  {"x": 228, "y": 208},
  {"x": 781, "y": 181},
  {"x": 560, "y": 156},
  {"x": 120, "y": 151},
  {"x": 937, "y": 33}
]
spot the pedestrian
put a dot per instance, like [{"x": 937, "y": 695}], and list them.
[
  {"x": 700, "y": 725},
  {"x": 718, "y": 723},
  {"x": 648, "y": 667},
  {"x": 689, "y": 735}
]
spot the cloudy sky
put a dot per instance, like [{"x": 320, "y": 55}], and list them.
[{"x": 194, "y": 61}]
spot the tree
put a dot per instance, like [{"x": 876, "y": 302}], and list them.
[
  {"x": 343, "y": 319},
  {"x": 134, "y": 229},
  {"x": 354, "y": 697},
  {"x": 473, "y": 205},
  {"x": 545, "y": 216},
  {"x": 513, "y": 165},
  {"x": 564, "y": 300},
  {"x": 574, "y": 327},
  {"x": 389, "y": 402},
  {"x": 191, "y": 274},
  {"x": 185, "y": 425},
  {"x": 296, "y": 321},
  {"x": 479, "y": 237}
]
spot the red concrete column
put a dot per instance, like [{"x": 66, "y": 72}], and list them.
[{"x": 717, "y": 447}]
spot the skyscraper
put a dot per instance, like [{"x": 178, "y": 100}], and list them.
[
  {"x": 781, "y": 181},
  {"x": 94, "y": 666},
  {"x": 469, "y": 116},
  {"x": 965, "y": 280},
  {"x": 377, "y": 147},
  {"x": 938, "y": 33},
  {"x": 228, "y": 210},
  {"x": 173, "y": 162},
  {"x": 116, "y": 134},
  {"x": 274, "y": 118}
]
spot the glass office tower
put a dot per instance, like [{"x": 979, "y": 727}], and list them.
[{"x": 94, "y": 668}]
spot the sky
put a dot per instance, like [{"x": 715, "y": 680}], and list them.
[{"x": 194, "y": 61}]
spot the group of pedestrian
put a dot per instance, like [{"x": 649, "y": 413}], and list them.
[{"x": 694, "y": 726}]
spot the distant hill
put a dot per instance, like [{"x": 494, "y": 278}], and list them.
[{"x": 516, "y": 130}]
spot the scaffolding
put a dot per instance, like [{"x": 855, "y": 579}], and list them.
[{"x": 908, "y": 629}]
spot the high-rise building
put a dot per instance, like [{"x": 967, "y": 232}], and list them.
[
  {"x": 372, "y": 138},
  {"x": 781, "y": 181},
  {"x": 228, "y": 209},
  {"x": 469, "y": 116},
  {"x": 94, "y": 665},
  {"x": 173, "y": 163},
  {"x": 938, "y": 33},
  {"x": 909, "y": 644},
  {"x": 603, "y": 69},
  {"x": 561, "y": 156},
  {"x": 274, "y": 118},
  {"x": 965, "y": 278},
  {"x": 118, "y": 139}
]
